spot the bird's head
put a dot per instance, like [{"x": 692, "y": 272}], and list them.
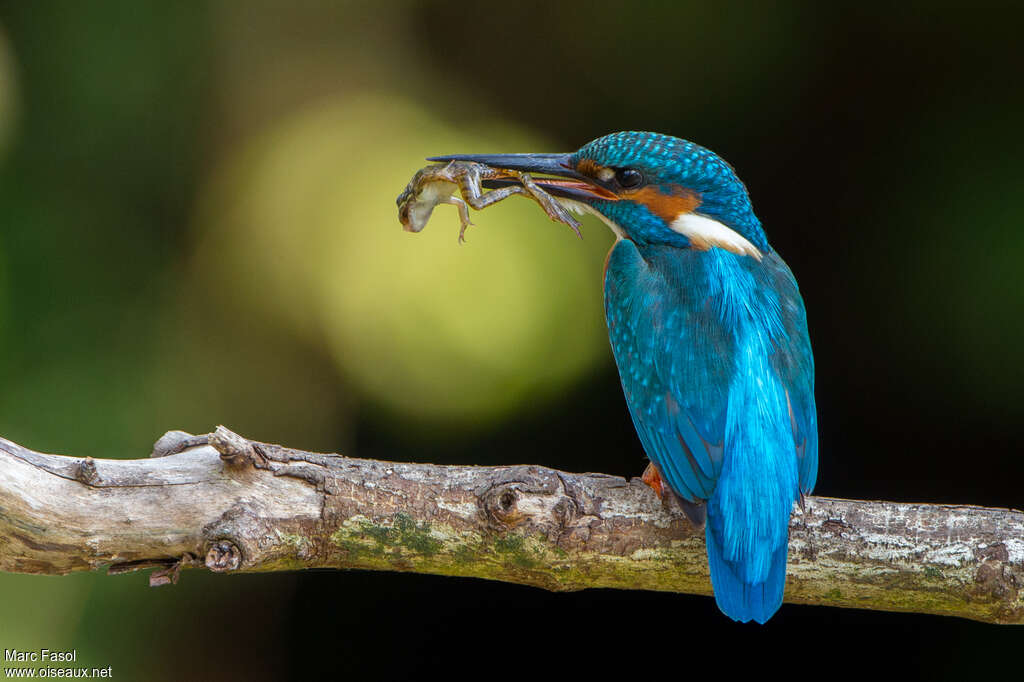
[{"x": 649, "y": 188}]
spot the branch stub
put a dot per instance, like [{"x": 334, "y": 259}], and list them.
[{"x": 223, "y": 556}]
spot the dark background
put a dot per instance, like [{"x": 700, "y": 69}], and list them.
[{"x": 197, "y": 227}]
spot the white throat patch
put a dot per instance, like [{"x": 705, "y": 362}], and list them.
[{"x": 704, "y": 232}]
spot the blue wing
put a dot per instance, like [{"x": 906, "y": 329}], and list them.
[
  {"x": 794, "y": 364},
  {"x": 708, "y": 345},
  {"x": 676, "y": 358}
]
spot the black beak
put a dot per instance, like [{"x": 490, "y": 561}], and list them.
[{"x": 565, "y": 183}]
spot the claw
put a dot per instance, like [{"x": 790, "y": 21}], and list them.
[{"x": 652, "y": 477}]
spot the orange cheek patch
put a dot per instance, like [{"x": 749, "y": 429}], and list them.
[{"x": 668, "y": 207}]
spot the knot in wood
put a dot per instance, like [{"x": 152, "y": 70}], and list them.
[
  {"x": 223, "y": 556},
  {"x": 501, "y": 505},
  {"x": 528, "y": 495},
  {"x": 86, "y": 472}
]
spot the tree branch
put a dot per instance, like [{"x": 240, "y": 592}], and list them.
[{"x": 238, "y": 505}]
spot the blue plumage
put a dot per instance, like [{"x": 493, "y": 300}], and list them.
[
  {"x": 709, "y": 345},
  {"x": 716, "y": 366},
  {"x": 710, "y": 337}
]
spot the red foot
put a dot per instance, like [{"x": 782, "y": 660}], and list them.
[{"x": 652, "y": 477}]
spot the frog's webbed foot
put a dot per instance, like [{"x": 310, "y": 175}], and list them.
[
  {"x": 463, "y": 216},
  {"x": 551, "y": 206}
]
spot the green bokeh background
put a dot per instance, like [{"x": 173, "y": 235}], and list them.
[{"x": 197, "y": 226}]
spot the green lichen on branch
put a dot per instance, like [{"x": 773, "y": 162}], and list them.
[
  {"x": 403, "y": 544},
  {"x": 262, "y": 507}
]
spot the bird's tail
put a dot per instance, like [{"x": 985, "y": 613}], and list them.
[
  {"x": 747, "y": 531},
  {"x": 743, "y": 590}
]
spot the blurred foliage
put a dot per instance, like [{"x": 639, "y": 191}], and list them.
[
  {"x": 967, "y": 286},
  {"x": 197, "y": 226},
  {"x": 302, "y": 225},
  {"x": 8, "y": 93},
  {"x": 8, "y": 110}
]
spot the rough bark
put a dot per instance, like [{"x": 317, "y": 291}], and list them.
[{"x": 238, "y": 505}]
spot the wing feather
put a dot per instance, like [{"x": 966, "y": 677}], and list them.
[
  {"x": 675, "y": 380},
  {"x": 675, "y": 358},
  {"x": 794, "y": 364}
]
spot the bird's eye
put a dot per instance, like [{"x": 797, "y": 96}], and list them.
[{"x": 627, "y": 177}]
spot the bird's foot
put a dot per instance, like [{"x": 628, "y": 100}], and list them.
[{"x": 652, "y": 477}]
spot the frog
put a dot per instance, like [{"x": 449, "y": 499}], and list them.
[{"x": 439, "y": 183}]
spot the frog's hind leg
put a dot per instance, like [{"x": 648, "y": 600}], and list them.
[
  {"x": 463, "y": 215},
  {"x": 529, "y": 188},
  {"x": 551, "y": 206},
  {"x": 469, "y": 186}
]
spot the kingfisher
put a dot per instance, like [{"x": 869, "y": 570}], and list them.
[{"x": 709, "y": 335}]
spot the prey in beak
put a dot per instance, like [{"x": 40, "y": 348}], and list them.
[
  {"x": 553, "y": 173},
  {"x": 439, "y": 183}
]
